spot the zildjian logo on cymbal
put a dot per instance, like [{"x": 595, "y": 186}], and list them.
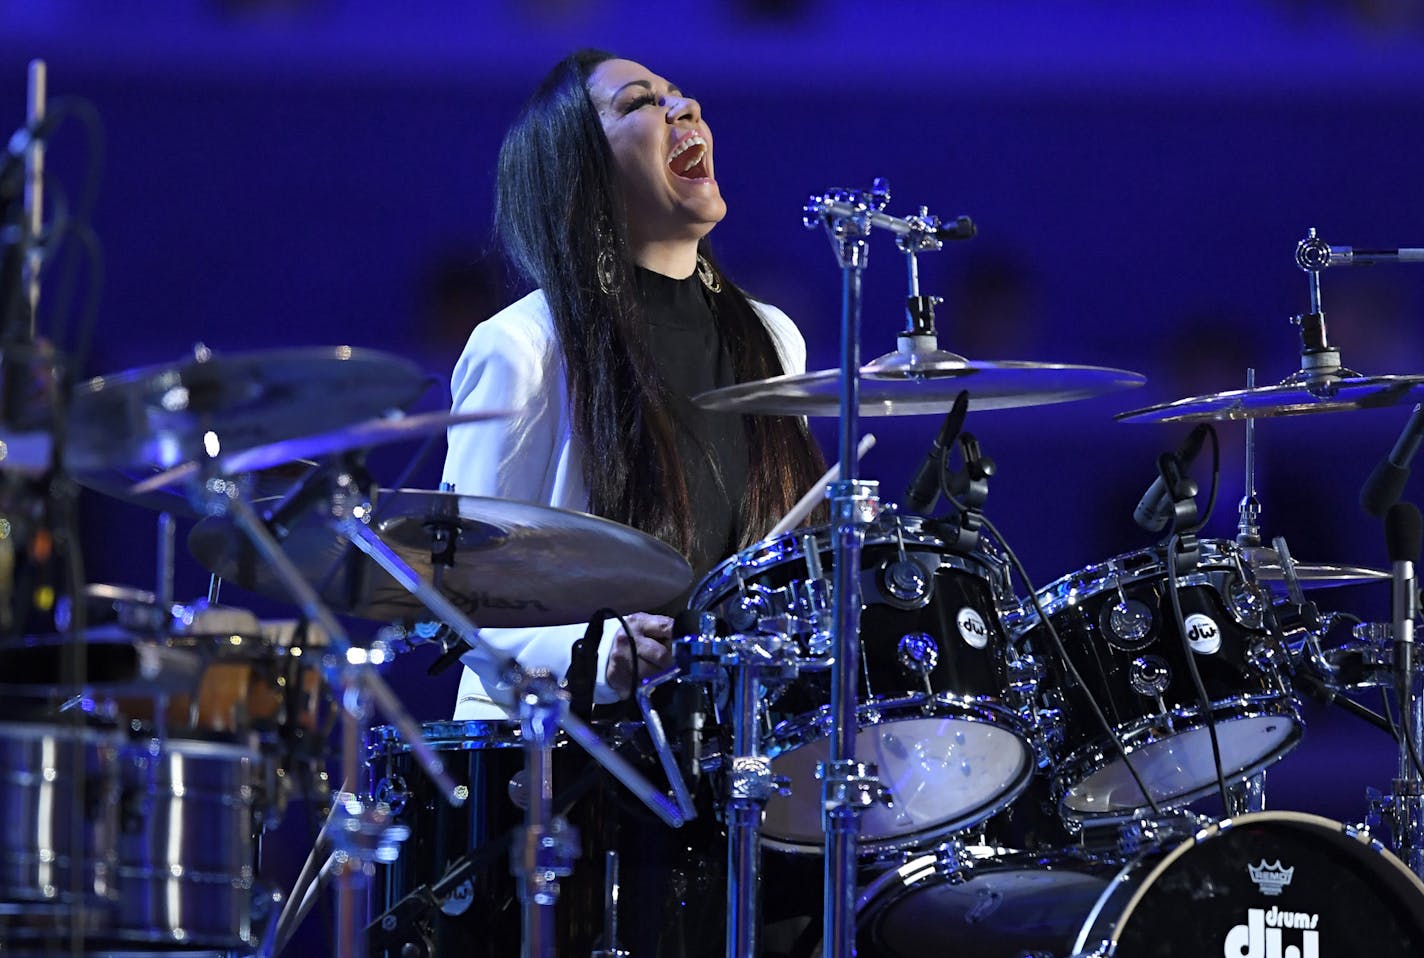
[{"x": 483, "y": 600}]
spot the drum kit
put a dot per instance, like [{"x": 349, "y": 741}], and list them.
[{"x": 973, "y": 769}]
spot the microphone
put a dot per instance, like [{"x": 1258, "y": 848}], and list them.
[
  {"x": 1385, "y": 485},
  {"x": 923, "y": 490},
  {"x": 1155, "y": 507},
  {"x": 962, "y": 228},
  {"x": 582, "y": 676},
  {"x": 1403, "y": 535}
]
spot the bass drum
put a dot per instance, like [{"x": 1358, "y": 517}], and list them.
[
  {"x": 941, "y": 707},
  {"x": 1277, "y": 884}
]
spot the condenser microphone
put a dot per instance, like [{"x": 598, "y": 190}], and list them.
[
  {"x": 1385, "y": 485},
  {"x": 1403, "y": 535},
  {"x": 924, "y": 488},
  {"x": 1155, "y": 506}
]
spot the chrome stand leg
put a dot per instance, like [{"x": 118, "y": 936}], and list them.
[{"x": 1246, "y": 796}]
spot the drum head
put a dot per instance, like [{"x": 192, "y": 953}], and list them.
[
  {"x": 940, "y": 771},
  {"x": 1005, "y": 906},
  {"x": 1174, "y": 768},
  {"x": 1269, "y": 885}
]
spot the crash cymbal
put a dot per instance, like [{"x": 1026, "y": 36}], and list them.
[
  {"x": 1296, "y": 396},
  {"x": 1265, "y": 563},
  {"x": 514, "y": 563},
  {"x": 362, "y": 435},
  {"x": 136, "y": 486},
  {"x": 907, "y": 384},
  {"x": 158, "y": 417}
]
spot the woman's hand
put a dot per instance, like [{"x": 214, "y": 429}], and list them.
[{"x": 651, "y": 635}]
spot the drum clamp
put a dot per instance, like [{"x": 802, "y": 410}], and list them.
[
  {"x": 542, "y": 856},
  {"x": 751, "y": 779},
  {"x": 851, "y": 784}
]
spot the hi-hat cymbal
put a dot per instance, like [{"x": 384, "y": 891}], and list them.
[
  {"x": 158, "y": 417},
  {"x": 907, "y": 384},
  {"x": 514, "y": 563},
  {"x": 1294, "y": 397}
]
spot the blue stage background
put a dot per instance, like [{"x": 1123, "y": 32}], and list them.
[{"x": 303, "y": 173}]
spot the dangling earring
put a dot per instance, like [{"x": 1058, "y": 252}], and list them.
[
  {"x": 606, "y": 266},
  {"x": 708, "y": 275},
  {"x": 607, "y": 270}
]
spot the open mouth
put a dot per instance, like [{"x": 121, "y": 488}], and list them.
[{"x": 689, "y": 158}]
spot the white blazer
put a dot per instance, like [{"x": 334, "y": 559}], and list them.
[{"x": 513, "y": 361}]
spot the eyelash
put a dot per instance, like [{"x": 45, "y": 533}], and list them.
[{"x": 638, "y": 102}]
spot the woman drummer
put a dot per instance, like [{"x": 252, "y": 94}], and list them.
[{"x": 606, "y": 194}]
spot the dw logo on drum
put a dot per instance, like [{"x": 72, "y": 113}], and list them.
[
  {"x": 1203, "y": 633},
  {"x": 1262, "y": 935},
  {"x": 972, "y": 628}
]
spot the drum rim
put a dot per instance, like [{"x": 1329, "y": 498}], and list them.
[
  {"x": 1109, "y": 574},
  {"x": 1120, "y": 885},
  {"x": 723, "y": 580},
  {"x": 986, "y": 712},
  {"x": 1096, "y": 755},
  {"x": 440, "y": 735}
]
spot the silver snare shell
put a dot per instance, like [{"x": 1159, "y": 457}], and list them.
[{"x": 942, "y": 705}]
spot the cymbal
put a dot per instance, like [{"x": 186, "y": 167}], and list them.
[
  {"x": 514, "y": 563},
  {"x": 361, "y": 435},
  {"x": 136, "y": 486},
  {"x": 907, "y": 384},
  {"x": 161, "y": 416},
  {"x": 1265, "y": 563},
  {"x": 1294, "y": 397}
]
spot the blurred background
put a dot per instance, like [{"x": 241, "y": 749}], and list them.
[{"x": 279, "y": 173}]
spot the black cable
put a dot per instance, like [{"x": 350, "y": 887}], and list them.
[
  {"x": 1215, "y": 480},
  {"x": 1203, "y": 701},
  {"x": 1060, "y": 649},
  {"x": 1399, "y": 734}
]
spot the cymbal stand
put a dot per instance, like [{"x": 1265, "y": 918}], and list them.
[
  {"x": 847, "y": 786},
  {"x": 1319, "y": 361},
  {"x": 547, "y": 845},
  {"x": 1249, "y": 526}
]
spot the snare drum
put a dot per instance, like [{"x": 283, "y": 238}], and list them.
[
  {"x": 1118, "y": 628},
  {"x": 1266, "y": 884},
  {"x": 941, "y": 707}
]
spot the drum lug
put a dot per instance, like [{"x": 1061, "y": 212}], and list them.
[
  {"x": 751, "y": 779},
  {"x": 393, "y": 792}
]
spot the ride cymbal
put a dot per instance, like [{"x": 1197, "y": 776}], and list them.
[
  {"x": 509, "y": 563},
  {"x": 907, "y": 384},
  {"x": 1294, "y": 397}
]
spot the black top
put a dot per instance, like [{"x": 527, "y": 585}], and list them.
[{"x": 692, "y": 358}]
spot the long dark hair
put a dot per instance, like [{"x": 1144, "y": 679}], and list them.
[{"x": 558, "y": 205}]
